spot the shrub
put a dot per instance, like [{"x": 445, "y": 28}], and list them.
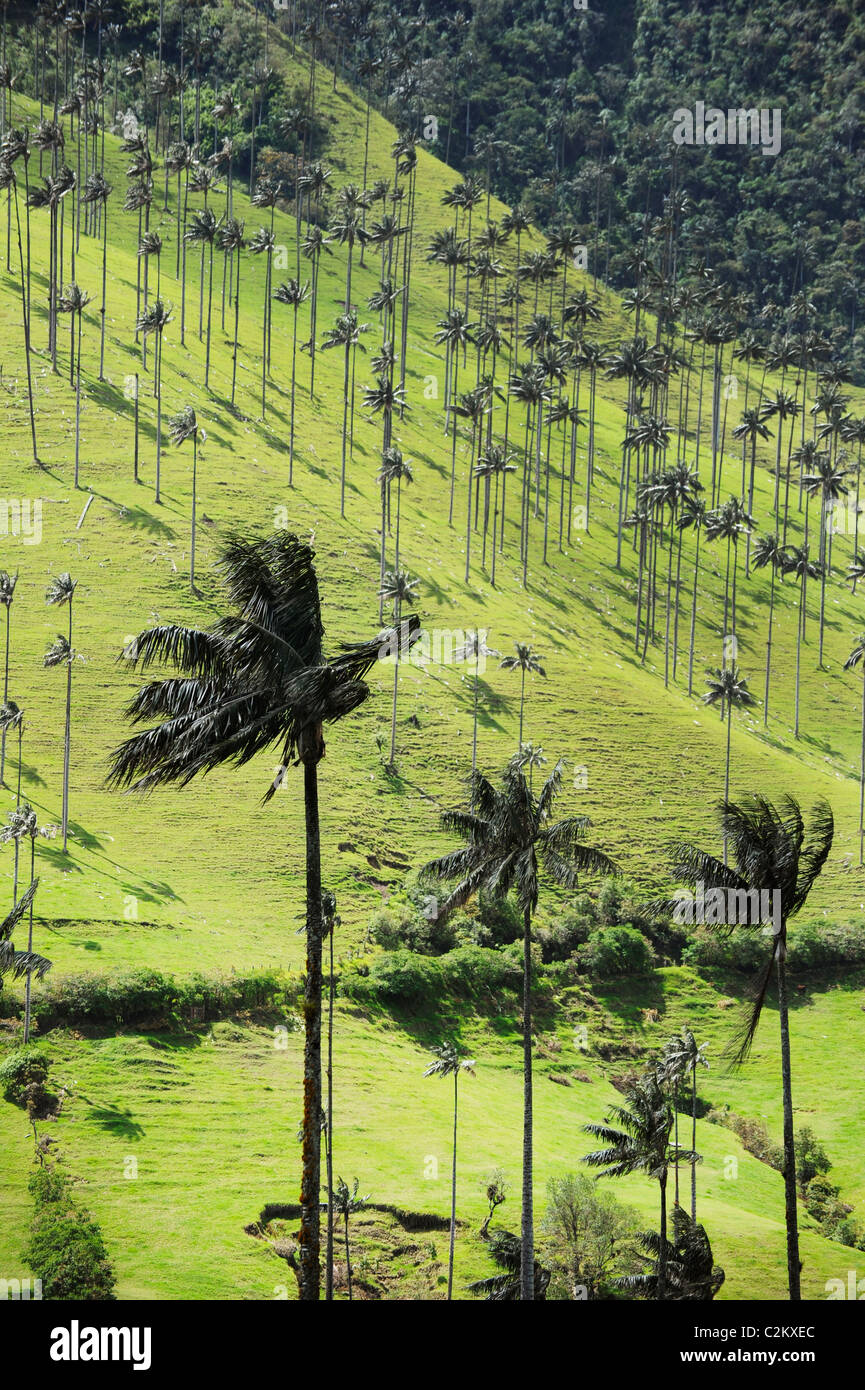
[
  {"x": 753, "y": 1134},
  {"x": 612, "y": 951},
  {"x": 821, "y": 1199},
  {"x": 811, "y": 1158},
  {"x": 407, "y": 978},
  {"x": 66, "y": 1250},
  {"x": 24, "y": 1068},
  {"x": 826, "y": 945},
  {"x": 812, "y": 946},
  {"x": 501, "y": 917},
  {"x": 560, "y": 941},
  {"x": 128, "y": 996},
  {"x": 414, "y": 931},
  {"x": 742, "y": 951}
]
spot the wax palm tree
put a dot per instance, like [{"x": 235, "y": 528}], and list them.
[
  {"x": 475, "y": 649},
  {"x": 685, "y": 1055},
  {"x": 14, "y": 963},
  {"x": 394, "y": 469},
  {"x": 292, "y": 293},
  {"x": 506, "y": 1251},
  {"x": 347, "y": 228},
  {"x": 768, "y": 550},
  {"x": 528, "y": 662},
  {"x": 230, "y": 240},
  {"x": 473, "y": 406},
  {"x": 74, "y": 301},
  {"x": 828, "y": 482},
  {"x": 531, "y": 387},
  {"x": 202, "y": 230},
  {"x": 385, "y": 399},
  {"x": 330, "y": 921},
  {"x": 782, "y": 406},
  {"x": 690, "y": 1271},
  {"x": 23, "y": 824},
  {"x": 258, "y": 677},
  {"x": 345, "y": 1203},
  {"x": 856, "y": 656},
  {"x": 345, "y": 334},
  {"x": 693, "y": 516},
  {"x": 12, "y": 721},
  {"x": 797, "y": 561},
  {"x": 636, "y": 1139},
  {"x": 729, "y": 689},
  {"x": 97, "y": 191},
  {"x": 59, "y": 592},
  {"x": 449, "y": 1061},
  {"x": 729, "y": 522},
  {"x": 155, "y": 318},
  {"x": 509, "y": 834},
  {"x": 773, "y": 850},
  {"x": 399, "y": 589},
  {"x": 750, "y": 430},
  {"x": 183, "y": 427},
  {"x": 7, "y": 598},
  {"x": 264, "y": 244},
  {"x": 9, "y": 182},
  {"x": 853, "y": 432},
  {"x": 494, "y": 464},
  {"x": 315, "y": 242}
]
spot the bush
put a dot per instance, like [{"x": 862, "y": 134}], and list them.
[
  {"x": 560, "y": 941},
  {"x": 742, "y": 951},
  {"x": 24, "y": 1068},
  {"x": 129, "y": 996},
  {"x": 413, "y": 931},
  {"x": 812, "y": 946},
  {"x": 826, "y": 945},
  {"x": 753, "y": 1134},
  {"x": 407, "y": 978},
  {"x": 811, "y": 1158},
  {"x": 501, "y": 917},
  {"x": 821, "y": 1200},
  {"x": 612, "y": 951},
  {"x": 66, "y": 1250}
]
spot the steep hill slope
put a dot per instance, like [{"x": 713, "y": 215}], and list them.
[{"x": 211, "y": 880}]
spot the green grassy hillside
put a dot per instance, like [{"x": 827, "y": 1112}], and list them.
[{"x": 211, "y": 880}]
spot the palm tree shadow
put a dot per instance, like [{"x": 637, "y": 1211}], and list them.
[
  {"x": 144, "y": 520},
  {"x": 115, "y": 1121},
  {"x": 64, "y": 863},
  {"x": 84, "y": 839}
]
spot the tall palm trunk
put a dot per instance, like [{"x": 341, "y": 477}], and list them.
[
  {"x": 694, "y": 1143},
  {"x": 527, "y": 1243},
  {"x": 328, "y": 1273},
  {"x": 67, "y": 739},
  {"x": 769, "y": 648},
  {"x": 453, "y": 1198},
  {"x": 311, "y": 751},
  {"x": 29, "y": 944},
  {"x": 791, "y": 1214},
  {"x": 662, "y": 1254},
  {"x": 104, "y": 285},
  {"x": 194, "y": 501}
]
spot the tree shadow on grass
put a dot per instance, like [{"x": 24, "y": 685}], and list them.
[
  {"x": 144, "y": 520},
  {"x": 115, "y": 1121}
]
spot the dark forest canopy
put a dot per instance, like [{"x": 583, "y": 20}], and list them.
[{"x": 569, "y": 110}]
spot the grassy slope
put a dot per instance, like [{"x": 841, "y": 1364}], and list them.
[{"x": 216, "y": 879}]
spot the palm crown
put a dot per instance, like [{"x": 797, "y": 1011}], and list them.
[{"x": 257, "y": 677}]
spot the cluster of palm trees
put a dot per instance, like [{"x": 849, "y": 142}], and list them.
[
  {"x": 22, "y": 822},
  {"x": 520, "y": 393}
]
